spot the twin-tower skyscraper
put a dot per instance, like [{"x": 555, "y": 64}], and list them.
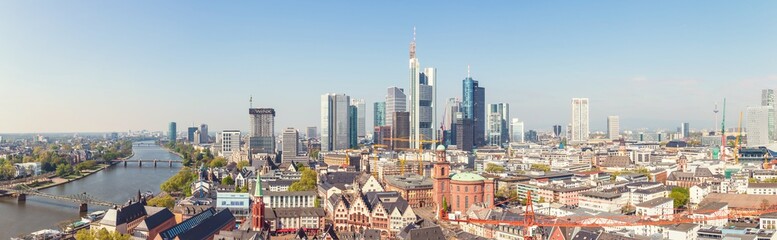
[{"x": 422, "y": 101}]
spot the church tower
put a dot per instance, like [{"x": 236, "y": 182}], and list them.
[
  {"x": 441, "y": 178},
  {"x": 257, "y": 210}
]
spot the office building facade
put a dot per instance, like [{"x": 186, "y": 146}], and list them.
[
  {"x": 261, "y": 131},
  {"x": 498, "y": 120},
  {"x": 401, "y": 130},
  {"x": 422, "y": 101},
  {"x": 579, "y": 127},
  {"x": 516, "y": 131},
  {"x": 290, "y": 142},
  {"x": 473, "y": 103},
  {"x": 396, "y": 101},
  {"x": 379, "y": 112},
  {"x": 204, "y": 137},
  {"x": 172, "y": 132},
  {"x": 758, "y": 126},
  {"x": 190, "y": 134},
  {"x": 361, "y": 111},
  {"x": 353, "y": 121},
  {"x": 334, "y": 122},
  {"x": 613, "y": 127},
  {"x": 230, "y": 143},
  {"x": 685, "y": 130},
  {"x": 767, "y": 100}
]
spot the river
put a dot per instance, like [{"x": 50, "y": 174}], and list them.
[{"x": 114, "y": 184}]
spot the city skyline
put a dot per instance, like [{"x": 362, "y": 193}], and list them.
[{"x": 146, "y": 72}]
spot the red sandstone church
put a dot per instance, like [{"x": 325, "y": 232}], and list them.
[{"x": 459, "y": 191}]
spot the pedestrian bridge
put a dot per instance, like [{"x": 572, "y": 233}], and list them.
[{"x": 20, "y": 190}]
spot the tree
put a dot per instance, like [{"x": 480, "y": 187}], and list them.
[
  {"x": 227, "y": 180},
  {"x": 765, "y": 204},
  {"x": 162, "y": 201},
  {"x": 314, "y": 154},
  {"x": 218, "y": 162},
  {"x": 102, "y": 234},
  {"x": 316, "y": 202},
  {"x": 242, "y": 164},
  {"x": 680, "y": 196},
  {"x": 494, "y": 168},
  {"x": 540, "y": 167},
  {"x": 444, "y": 204},
  {"x": 307, "y": 182},
  {"x": 64, "y": 170},
  {"x": 180, "y": 182}
]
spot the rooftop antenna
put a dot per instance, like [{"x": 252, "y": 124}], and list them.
[
  {"x": 251, "y": 101},
  {"x": 468, "y": 72},
  {"x": 412, "y": 45},
  {"x": 716, "y": 117}
]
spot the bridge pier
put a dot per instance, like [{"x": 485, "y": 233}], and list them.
[
  {"x": 154, "y": 163},
  {"x": 21, "y": 197},
  {"x": 140, "y": 163},
  {"x": 171, "y": 163},
  {"x": 83, "y": 208},
  {"x": 125, "y": 163}
]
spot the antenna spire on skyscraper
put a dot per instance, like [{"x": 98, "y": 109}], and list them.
[
  {"x": 412, "y": 45},
  {"x": 251, "y": 101},
  {"x": 468, "y": 72}
]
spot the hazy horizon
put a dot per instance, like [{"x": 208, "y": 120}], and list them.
[{"x": 95, "y": 66}]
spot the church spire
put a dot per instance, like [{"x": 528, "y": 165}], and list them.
[{"x": 412, "y": 45}]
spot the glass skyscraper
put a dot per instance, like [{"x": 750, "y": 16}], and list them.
[
  {"x": 473, "y": 107},
  {"x": 172, "y": 132},
  {"x": 380, "y": 114}
]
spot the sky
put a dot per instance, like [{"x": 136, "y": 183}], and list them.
[{"x": 98, "y": 66}]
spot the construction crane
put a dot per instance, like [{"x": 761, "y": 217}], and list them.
[
  {"x": 420, "y": 151},
  {"x": 530, "y": 220},
  {"x": 739, "y": 141}
]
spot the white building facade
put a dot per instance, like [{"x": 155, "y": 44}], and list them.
[{"x": 579, "y": 130}]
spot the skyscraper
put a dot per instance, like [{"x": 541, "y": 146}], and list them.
[
  {"x": 361, "y": 111},
  {"x": 423, "y": 90},
  {"x": 190, "y": 134},
  {"x": 204, "y": 138},
  {"x": 613, "y": 127},
  {"x": 579, "y": 130},
  {"x": 353, "y": 121},
  {"x": 516, "y": 130},
  {"x": 334, "y": 122},
  {"x": 473, "y": 104},
  {"x": 464, "y": 132},
  {"x": 767, "y": 99},
  {"x": 379, "y": 110},
  {"x": 401, "y": 130},
  {"x": 498, "y": 115},
  {"x": 312, "y": 132},
  {"x": 452, "y": 108},
  {"x": 396, "y": 101},
  {"x": 685, "y": 131},
  {"x": 172, "y": 133},
  {"x": 197, "y": 137},
  {"x": 758, "y": 126},
  {"x": 261, "y": 130},
  {"x": 556, "y": 131},
  {"x": 290, "y": 143}
]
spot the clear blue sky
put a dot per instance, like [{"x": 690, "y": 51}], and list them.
[{"x": 70, "y": 66}]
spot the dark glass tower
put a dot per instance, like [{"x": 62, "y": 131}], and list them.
[{"x": 473, "y": 107}]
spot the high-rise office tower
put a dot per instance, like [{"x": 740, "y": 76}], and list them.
[
  {"x": 396, "y": 101},
  {"x": 579, "y": 129},
  {"x": 758, "y": 126},
  {"x": 516, "y": 130},
  {"x": 767, "y": 99},
  {"x": 423, "y": 90},
  {"x": 312, "y": 133},
  {"x": 379, "y": 110},
  {"x": 452, "y": 108},
  {"x": 290, "y": 143},
  {"x": 532, "y": 136},
  {"x": 353, "y": 121},
  {"x": 401, "y": 130},
  {"x": 230, "y": 143},
  {"x": 556, "y": 131},
  {"x": 197, "y": 137},
  {"x": 361, "y": 119},
  {"x": 204, "y": 138},
  {"x": 334, "y": 122},
  {"x": 613, "y": 127},
  {"x": 464, "y": 132},
  {"x": 190, "y": 134},
  {"x": 685, "y": 130},
  {"x": 473, "y": 103},
  {"x": 172, "y": 133},
  {"x": 261, "y": 131},
  {"x": 498, "y": 115}
]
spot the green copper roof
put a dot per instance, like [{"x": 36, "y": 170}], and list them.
[
  {"x": 258, "y": 187},
  {"x": 440, "y": 147},
  {"x": 467, "y": 177}
]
